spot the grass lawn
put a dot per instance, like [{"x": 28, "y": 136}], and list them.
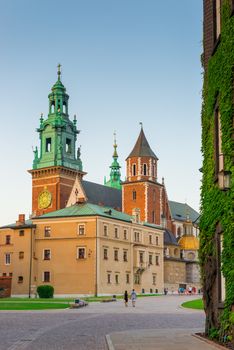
[
  {"x": 31, "y": 306},
  {"x": 54, "y": 303},
  {"x": 67, "y": 300},
  {"x": 194, "y": 304}
]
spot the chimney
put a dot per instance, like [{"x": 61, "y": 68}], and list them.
[{"x": 21, "y": 219}]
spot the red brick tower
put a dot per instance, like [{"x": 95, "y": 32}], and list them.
[{"x": 141, "y": 189}]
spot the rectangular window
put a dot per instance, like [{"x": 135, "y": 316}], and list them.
[
  {"x": 117, "y": 279},
  {"x": 137, "y": 236},
  {"x": 125, "y": 255},
  {"x": 47, "y": 254},
  {"x": 4, "y": 274},
  {"x": 219, "y": 159},
  {"x": 47, "y": 231},
  {"x": 137, "y": 278},
  {"x": 21, "y": 255},
  {"x": 8, "y": 239},
  {"x": 145, "y": 172},
  {"x": 116, "y": 255},
  {"x": 68, "y": 145},
  {"x": 153, "y": 216},
  {"x": 154, "y": 279},
  {"x": 156, "y": 240},
  {"x": 48, "y": 144},
  {"x": 217, "y": 19},
  {"x": 150, "y": 259},
  {"x": 20, "y": 279},
  {"x": 7, "y": 259},
  {"x": 105, "y": 230},
  {"x": 134, "y": 170},
  {"x": 127, "y": 278},
  {"x": 116, "y": 233},
  {"x": 108, "y": 278},
  {"x": 10, "y": 274},
  {"x": 141, "y": 257},
  {"x": 125, "y": 235},
  {"x": 134, "y": 195},
  {"x": 105, "y": 254},
  {"x": 21, "y": 233},
  {"x": 157, "y": 260},
  {"x": 232, "y": 7},
  {"x": 150, "y": 239},
  {"x": 81, "y": 230},
  {"x": 81, "y": 253},
  {"x": 46, "y": 276}
]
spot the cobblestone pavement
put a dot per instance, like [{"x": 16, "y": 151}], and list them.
[{"x": 85, "y": 329}]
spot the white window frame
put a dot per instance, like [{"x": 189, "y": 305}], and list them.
[
  {"x": 125, "y": 231},
  {"x": 43, "y": 254},
  {"x": 105, "y": 228},
  {"x": 77, "y": 253},
  {"x": 81, "y": 226},
  {"x": 43, "y": 276},
  {"x": 7, "y": 258}
]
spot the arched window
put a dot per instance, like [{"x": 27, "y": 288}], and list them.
[
  {"x": 153, "y": 216},
  {"x": 134, "y": 195},
  {"x": 134, "y": 170},
  {"x": 145, "y": 170},
  {"x": 52, "y": 107},
  {"x": 178, "y": 232},
  {"x": 64, "y": 107},
  {"x": 59, "y": 107}
]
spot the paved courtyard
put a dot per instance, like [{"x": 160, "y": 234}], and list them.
[{"x": 100, "y": 324}]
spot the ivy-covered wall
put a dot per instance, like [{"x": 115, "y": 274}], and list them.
[{"x": 217, "y": 207}]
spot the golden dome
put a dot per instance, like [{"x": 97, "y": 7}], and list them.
[{"x": 189, "y": 242}]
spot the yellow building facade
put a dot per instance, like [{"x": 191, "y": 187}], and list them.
[{"x": 102, "y": 252}]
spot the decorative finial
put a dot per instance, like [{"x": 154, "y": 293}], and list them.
[
  {"x": 41, "y": 118},
  {"x": 141, "y": 124},
  {"x": 59, "y": 71},
  {"x": 74, "y": 120},
  {"x": 115, "y": 155}
]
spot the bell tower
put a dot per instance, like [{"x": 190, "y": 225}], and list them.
[
  {"x": 141, "y": 190},
  {"x": 57, "y": 162}
]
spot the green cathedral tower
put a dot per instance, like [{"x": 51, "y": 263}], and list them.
[
  {"x": 115, "y": 175},
  {"x": 58, "y": 133}
]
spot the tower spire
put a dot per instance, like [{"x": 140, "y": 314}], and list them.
[{"x": 115, "y": 175}]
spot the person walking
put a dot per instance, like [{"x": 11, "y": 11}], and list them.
[
  {"x": 126, "y": 298},
  {"x": 133, "y": 297}
]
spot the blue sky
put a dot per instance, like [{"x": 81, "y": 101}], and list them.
[{"x": 123, "y": 62}]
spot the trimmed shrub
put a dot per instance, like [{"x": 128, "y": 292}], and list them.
[{"x": 46, "y": 291}]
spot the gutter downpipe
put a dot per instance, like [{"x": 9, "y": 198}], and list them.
[
  {"x": 96, "y": 284},
  {"x": 30, "y": 266}
]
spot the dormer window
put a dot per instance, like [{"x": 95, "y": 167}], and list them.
[{"x": 48, "y": 144}]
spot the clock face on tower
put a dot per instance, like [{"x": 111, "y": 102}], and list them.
[{"x": 44, "y": 199}]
